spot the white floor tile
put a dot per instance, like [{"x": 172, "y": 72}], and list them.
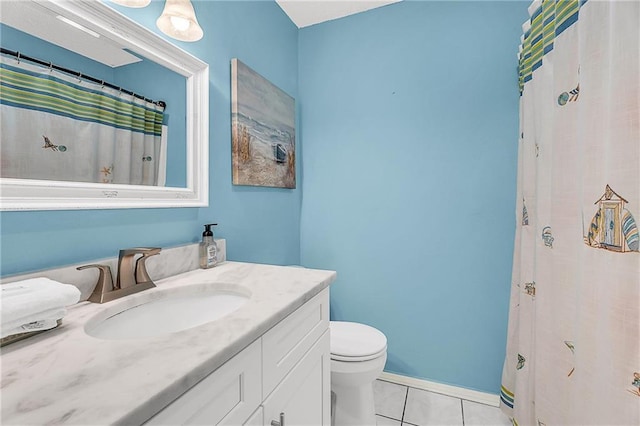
[
  {"x": 386, "y": 421},
  {"x": 428, "y": 408},
  {"x": 476, "y": 414},
  {"x": 389, "y": 399}
]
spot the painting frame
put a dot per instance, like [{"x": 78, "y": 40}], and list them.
[{"x": 263, "y": 136}]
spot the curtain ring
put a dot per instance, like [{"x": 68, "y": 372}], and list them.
[
  {"x": 50, "y": 66},
  {"x": 102, "y": 84},
  {"x": 79, "y": 77},
  {"x": 18, "y": 57}
]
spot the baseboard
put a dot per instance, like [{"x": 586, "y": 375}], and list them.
[{"x": 455, "y": 391}]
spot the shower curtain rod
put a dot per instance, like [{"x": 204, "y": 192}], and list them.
[{"x": 78, "y": 74}]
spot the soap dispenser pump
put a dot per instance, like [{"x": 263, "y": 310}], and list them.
[{"x": 208, "y": 248}]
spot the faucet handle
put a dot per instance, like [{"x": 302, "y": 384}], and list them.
[
  {"x": 104, "y": 284},
  {"x": 132, "y": 250},
  {"x": 149, "y": 251},
  {"x": 142, "y": 276}
]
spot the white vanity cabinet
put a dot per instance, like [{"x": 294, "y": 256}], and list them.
[
  {"x": 295, "y": 366},
  {"x": 287, "y": 370},
  {"x": 303, "y": 396}
]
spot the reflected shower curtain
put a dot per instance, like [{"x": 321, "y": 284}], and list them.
[
  {"x": 57, "y": 127},
  {"x": 573, "y": 351}
]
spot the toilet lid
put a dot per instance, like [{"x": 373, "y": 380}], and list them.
[{"x": 354, "y": 340}]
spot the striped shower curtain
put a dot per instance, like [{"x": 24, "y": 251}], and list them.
[
  {"x": 62, "y": 128},
  {"x": 573, "y": 351}
]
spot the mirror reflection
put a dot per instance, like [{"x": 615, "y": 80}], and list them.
[{"x": 77, "y": 107}]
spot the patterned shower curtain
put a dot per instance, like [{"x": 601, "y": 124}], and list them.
[
  {"x": 57, "y": 127},
  {"x": 573, "y": 351}
]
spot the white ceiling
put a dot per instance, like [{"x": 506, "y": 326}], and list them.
[
  {"x": 304, "y": 13},
  {"x": 37, "y": 20}
]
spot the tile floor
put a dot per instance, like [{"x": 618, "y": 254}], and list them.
[{"x": 398, "y": 405}]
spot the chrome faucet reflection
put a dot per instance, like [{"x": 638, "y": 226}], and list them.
[{"x": 132, "y": 275}]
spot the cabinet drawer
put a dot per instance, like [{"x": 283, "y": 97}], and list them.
[
  {"x": 228, "y": 396},
  {"x": 285, "y": 344}
]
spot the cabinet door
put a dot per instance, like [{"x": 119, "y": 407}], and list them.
[
  {"x": 304, "y": 394},
  {"x": 228, "y": 396},
  {"x": 256, "y": 418}
]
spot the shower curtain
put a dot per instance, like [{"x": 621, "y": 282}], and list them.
[
  {"x": 57, "y": 127},
  {"x": 573, "y": 350}
]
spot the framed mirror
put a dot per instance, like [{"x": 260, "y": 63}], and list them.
[{"x": 132, "y": 56}]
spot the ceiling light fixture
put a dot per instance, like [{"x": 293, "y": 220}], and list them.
[
  {"x": 178, "y": 20},
  {"x": 78, "y": 26},
  {"x": 132, "y": 3}
]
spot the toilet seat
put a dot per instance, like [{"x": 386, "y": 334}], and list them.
[
  {"x": 354, "y": 342},
  {"x": 335, "y": 357}
]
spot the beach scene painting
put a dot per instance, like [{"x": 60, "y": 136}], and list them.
[{"x": 262, "y": 130}]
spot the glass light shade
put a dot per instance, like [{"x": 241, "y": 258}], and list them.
[
  {"x": 132, "y": 3},
  {"x": 178, "y": 20},
  {"x": 179, "y": 24}
]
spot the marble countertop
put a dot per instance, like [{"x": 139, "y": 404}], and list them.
[{"x": 65, "y": 376}]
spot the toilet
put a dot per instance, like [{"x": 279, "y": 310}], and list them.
[{"x": 358, "y": 355}]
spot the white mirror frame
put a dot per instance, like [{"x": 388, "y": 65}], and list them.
[{"x": 27, "y": 194}]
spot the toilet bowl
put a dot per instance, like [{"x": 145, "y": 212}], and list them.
[{"x": 358, "y": 355}]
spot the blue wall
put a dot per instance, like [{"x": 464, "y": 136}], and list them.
[
  {"x": 410, "y": 122},
  {"x": 261, "y": 224}
]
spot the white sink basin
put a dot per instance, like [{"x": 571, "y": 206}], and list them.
[{"x": 162, "y": 312}]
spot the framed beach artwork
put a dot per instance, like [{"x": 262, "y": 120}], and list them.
[{"x": 262, "y": 131}]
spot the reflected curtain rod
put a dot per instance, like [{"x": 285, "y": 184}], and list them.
[{"x": 78, "y": 74}]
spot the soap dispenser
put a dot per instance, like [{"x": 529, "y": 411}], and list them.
[{"x": 208, "y": 248}]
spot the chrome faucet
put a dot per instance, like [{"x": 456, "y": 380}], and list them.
[{"x": 132, "y": 275}]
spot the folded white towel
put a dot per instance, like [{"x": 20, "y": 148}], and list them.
[
  {"x": 31, "y": 322},
  {"x": 44, "y": 321},
  {"x": 22, "y": 300}
]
